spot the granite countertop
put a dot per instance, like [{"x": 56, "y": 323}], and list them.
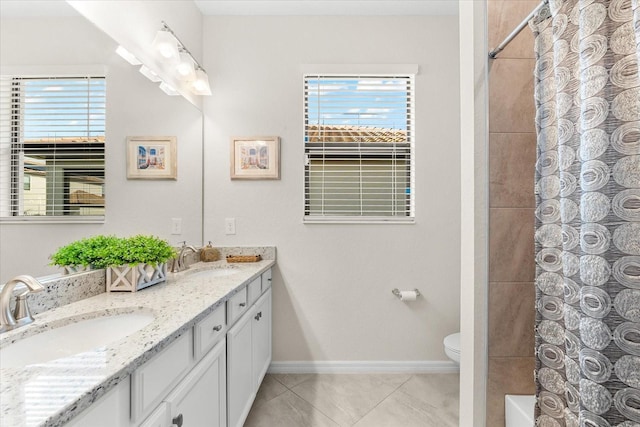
[{"x": 52, "y": 393}]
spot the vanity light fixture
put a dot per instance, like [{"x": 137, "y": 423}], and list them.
[
  {"x": 187, "y": 67},
  {"x": 150, "y": 74},
  {"x": 128, "y": 56},
  {"x": 175, "y": 54}
]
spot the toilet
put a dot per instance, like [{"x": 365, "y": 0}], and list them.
[{"x": 452, "y": 347}]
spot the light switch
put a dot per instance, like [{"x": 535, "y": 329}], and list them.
[
  {"x": 229, "y": 226},
  {"x": 176, "y": 225}
]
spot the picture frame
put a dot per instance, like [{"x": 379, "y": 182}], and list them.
[
  {"x": 255, "y": 157},
  {"x": 152, "y": 157}
]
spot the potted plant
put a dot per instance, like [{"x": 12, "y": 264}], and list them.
[
  {"x": 83, "y": 254},
  {"x": 132, "y": 263}
]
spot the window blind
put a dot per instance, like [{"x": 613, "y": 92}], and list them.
[
  {"x": 52, "y": 139},
  {"x": 359, "y": 143}
]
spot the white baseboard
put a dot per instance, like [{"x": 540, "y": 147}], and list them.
[{"x": 365, "y": 367}]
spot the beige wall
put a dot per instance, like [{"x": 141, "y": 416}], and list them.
[
  {"x": 512, "y": 153},
  {"x": 332, "y": 285}
]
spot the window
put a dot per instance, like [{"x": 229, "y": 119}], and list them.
[
  {"x": 52, "y": 138},
  {"x": 359, "y": 142}
]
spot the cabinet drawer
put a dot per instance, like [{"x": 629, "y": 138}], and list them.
[
  {"x": 236, "y": 305},
  {"x": 208, "y": 332},
  {"x": 254, "y": 290},
  {"x": 153, "y": 380},
  {"x": 266, "y": 280}
]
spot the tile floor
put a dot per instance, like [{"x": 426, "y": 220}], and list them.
[{"x": 381, "y": 400}]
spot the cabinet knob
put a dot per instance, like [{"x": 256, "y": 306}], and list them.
[
  {"x": 257, "y": 317},
  {"x": 242, "y": 304},
  {"x": 217, "y": 328},
  {"x": 177, "y": 420}
]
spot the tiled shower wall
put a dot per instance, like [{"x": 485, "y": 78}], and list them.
[{"x": 512, "y": 155}]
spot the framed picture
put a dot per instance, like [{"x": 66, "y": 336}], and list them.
[
  {"x": 255, "y": 158},
  {"x": 152, "y": 157}
]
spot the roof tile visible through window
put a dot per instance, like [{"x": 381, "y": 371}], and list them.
[{"x": 346, "y": 133}]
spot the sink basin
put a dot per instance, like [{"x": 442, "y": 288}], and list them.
[
  {"x": 73, "y": 338},
  {"x": 215, "y": 272}
]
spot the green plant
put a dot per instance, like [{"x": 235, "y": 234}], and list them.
[
  {"x": 106, "y": 251},
  {"x": 86, "y": 252}
]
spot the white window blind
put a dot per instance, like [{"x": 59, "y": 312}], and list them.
[
  {"x": 52, "y": 139},
  {"x": 359, "y": 148}
]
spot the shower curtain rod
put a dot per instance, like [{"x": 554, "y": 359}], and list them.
[{"x": 519, "y": 28}]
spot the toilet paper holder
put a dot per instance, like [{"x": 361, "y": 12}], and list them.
[{"x": 396, "y": 292}]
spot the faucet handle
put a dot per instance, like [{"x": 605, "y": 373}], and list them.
[
  {"x": 184, "y": 243},
  {"x": 22, "y": 312},
  {"x": 22, "y": 308}
]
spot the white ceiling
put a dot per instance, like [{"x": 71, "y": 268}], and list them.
[
  {"x": 260, "y": 7},
  {"x": 328, "y": 7},
  {"x": 19, "y": 8}
]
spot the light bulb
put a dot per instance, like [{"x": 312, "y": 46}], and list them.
[
  {"x": 166, "y": 45},
  {"x": 185, "y": 68},
  {"x": 200, "y": 85}
]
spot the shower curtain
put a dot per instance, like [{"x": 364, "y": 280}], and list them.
[{"x": 587, "y": 95}]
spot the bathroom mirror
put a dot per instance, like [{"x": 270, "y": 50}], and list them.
[{"x": 135, "y": 106}]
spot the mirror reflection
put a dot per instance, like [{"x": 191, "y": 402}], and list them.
[
  {"x": 69, "y": 102},
  {"x": 57, "y": 145}
]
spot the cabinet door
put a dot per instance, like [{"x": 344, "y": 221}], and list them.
[
  {"x": 261, "y": 337},
  {"x": 199, "y": 400},
  {"x": 159, "y": 417},
  {"x": 240, "y": 384}
]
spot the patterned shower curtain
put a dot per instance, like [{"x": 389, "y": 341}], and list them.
[{"x": 587, "y": 233}]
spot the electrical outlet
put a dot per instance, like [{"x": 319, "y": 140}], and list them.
[
  {"x": 176, "y": 225},
  {"x": 229, "y": 226}
]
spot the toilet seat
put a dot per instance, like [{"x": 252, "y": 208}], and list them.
[
  {"x": 452, "y": 347},
  {"x": 452, "y": 342}
]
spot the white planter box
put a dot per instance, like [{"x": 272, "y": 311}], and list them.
[
  {"x": 131, "y": 279},
  {"x": 73, "y": 269}
]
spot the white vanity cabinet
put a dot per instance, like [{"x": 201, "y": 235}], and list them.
[
  {"x": 207, "y": 377},
  {"x": 151, "y": 382},
  {"x": 110, "y": 410},
  {"x": 185, "y": 384},
  {"x": 248, "y": 356},
  {"x": 261, "y": 338},
  {"x": 262, "y": 331},
  {"x": 240, "y": 383},
  {"x": 200, "y": 399}
]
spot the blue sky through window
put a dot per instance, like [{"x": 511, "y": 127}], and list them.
[
  {"x": 64, "y": 108},
  {"x": 361, "y": 102}
]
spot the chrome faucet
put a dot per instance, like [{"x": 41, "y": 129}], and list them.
[
  {"x": 22, "y": 315},
  {"x": 178, "y": 263}
]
